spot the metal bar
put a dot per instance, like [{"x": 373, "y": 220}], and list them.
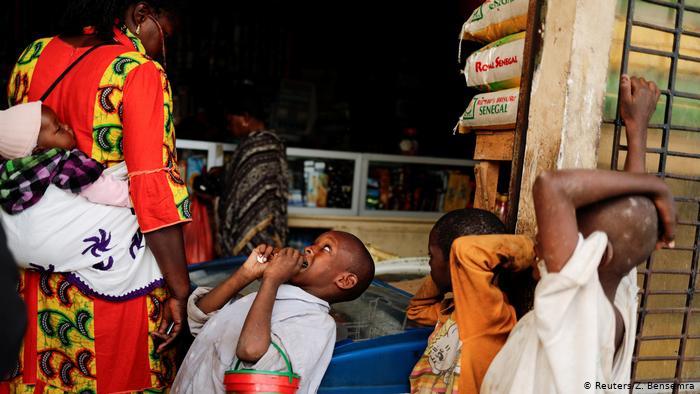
[
  {"x": 691, "y": 33},
  {"x": 683, "y": 249},
  {"x": 661, "y": 3},
  {"x": 654, "y": 52},
  {"x": 683, "y": 177},
  {"x": 684, "y": 154},
  {"x": 668, "y": 292},
  {"x": 654, "y": 27},
  {"x": 671, "y": 311},
  {"x": 685, "y": 128},
  {"x": 658, "y": 358},
  {"x": 689, "y": 58},
  {"x": 659, "y": 338},
  {"x": 670, "y": 153},
  {"x": 686, "y": 199},
  {"x": 664, "y": 272},
  {"x": 687, "y": 95}
]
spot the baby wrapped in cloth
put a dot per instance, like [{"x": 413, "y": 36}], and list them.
[{"x": 51, "y": 228}]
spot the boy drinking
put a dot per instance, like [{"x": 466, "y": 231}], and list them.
[{"x": 290, "y": 310}]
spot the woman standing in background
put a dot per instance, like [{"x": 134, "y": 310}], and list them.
[{"x": 253, "y": 205}]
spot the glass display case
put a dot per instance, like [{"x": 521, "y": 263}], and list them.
[
  {"x": 414, "y": 186},
  {"x": 336, "y": 183}
]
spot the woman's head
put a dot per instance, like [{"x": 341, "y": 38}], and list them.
[
  {"x": 152, "y": 21},
  {"x": 244, "y": 109}
]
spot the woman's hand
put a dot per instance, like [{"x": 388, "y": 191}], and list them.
[{"x": 174, "y": 312}]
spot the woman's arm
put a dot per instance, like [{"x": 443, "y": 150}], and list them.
[
  {"x": 158, "y": 194},
  {"x": 168, "y": 249}
]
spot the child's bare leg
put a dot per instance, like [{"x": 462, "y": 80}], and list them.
[{"x": 638, "y": 99}]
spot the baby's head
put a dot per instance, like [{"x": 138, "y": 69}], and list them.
[
  {"x": 337, "y": 267},
  {"x": 631, "y": 223},
  {"x": 31, "y": 127},
  {"x": 452, "y": 225}
]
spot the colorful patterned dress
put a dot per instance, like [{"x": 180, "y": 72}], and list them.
[{"x": 118, "y": 101}]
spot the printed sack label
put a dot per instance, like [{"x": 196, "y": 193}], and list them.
[
  {"x": 498, "y": 65},
  {"x": 491, "y": 111}
]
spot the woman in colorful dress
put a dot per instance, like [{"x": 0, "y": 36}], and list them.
[{"x": 118, "y": 101}]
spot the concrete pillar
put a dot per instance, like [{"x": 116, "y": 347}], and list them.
[{"x": 567, "y": 93}]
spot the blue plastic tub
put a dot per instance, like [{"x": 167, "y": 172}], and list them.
[{"x": 379, "y": 365}]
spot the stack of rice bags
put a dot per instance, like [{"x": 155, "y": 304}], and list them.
[{"x": 496, "y": 67}]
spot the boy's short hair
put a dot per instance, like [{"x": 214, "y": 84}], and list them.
[
  {"x": 361, "y": 264},
  {"x": 519, "y": 287},
  {"x": 631, "y": 224},
  {"x": 466, "y": 221}
]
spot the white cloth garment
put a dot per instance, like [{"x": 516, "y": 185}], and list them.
[
  {"x": 100, "y": 247},
  {"x": 567, "y": 341},
  {"x": 300, "y": 325}
]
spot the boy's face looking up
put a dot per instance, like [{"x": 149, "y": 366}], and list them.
[
  {"x": 439, "y": 264},
  {"x": 326, "y": 262},
  {"x": 53, "y": 133}
]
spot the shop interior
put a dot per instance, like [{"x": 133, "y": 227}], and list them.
[{"x": 368, "y": 96}]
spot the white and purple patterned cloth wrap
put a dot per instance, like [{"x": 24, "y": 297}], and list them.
[{"x": 99, "y": 247}]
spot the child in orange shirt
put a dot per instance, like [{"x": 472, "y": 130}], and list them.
[{"x": 472, "y": 325}]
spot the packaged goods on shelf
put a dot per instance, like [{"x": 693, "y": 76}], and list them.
[
  {"x": 321, "y": 183},
  {"x": 459, "y": 191},
  {"x": 309, "y": 181},
  {"x": 495, "y": 19},
  {"x": 491, "y": 111},
  {"x": 498, "y": 65},
  {"x": 405, "y": 187},
  {"x": 316, "y": 183}
]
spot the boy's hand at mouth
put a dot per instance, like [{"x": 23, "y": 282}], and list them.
[
  {"x": 256, "y": 263},
  {"x": 284, "y": 265}
]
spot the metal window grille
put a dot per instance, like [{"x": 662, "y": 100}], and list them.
[{"x": 681, "y": 336}]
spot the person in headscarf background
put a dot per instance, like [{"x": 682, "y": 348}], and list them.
[
  {"x": 118, "y": 101},
  {"x": 253, "y": 205}
]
